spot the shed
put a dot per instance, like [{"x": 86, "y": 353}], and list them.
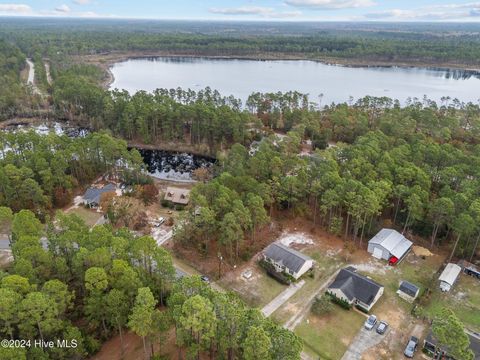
[
  {"x": 449, "y": 276},
  {"x": 408, "y": 291},
  {"x": 389, "y": 245},
  {"x": 288, "y": 260}
]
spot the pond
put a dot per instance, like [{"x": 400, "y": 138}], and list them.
[
  {"x": 337, "y": 83},
  {"x": 173, "y": 166}
]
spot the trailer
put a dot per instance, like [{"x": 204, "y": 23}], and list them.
[{"x": 469, "y": 269}]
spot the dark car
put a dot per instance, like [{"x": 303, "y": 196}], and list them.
[
  {"x": 411, "y": 347},
  {"x": 205, "y": 278},
  {"x": 382, "y": 327}
]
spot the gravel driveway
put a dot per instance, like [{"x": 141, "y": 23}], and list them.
[{"x": 364, "y": 340}]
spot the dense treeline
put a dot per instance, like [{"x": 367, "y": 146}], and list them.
[
  {"x": 85, "y": 285},
  {"x": 12, "y": 93},
  {"x": 366, "y": 42},
  {"x": 196, "y": 118},
  {"x": 420, "y": 184},
  {"x": 40, "y": 172}
]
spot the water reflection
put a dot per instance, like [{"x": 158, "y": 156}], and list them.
[
  {"x": 174, "y": 166},
  {"x": 241, "y": 78}
]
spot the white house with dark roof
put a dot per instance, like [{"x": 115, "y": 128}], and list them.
[
  {"x": 355, "y": 289},
  {"x": 288, "y": 260},
  {"x": 389, "y": 245}
]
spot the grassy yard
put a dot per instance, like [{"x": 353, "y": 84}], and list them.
[
  {"x": 325, "y": 266},
  {"x": 328, "y": 336},
  {"x": 257, "y": 291},
  {"x": 463, "y": 299},
  {"x": 89, "y": 216}
]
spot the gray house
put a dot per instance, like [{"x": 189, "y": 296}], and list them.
[
  {"x": 389, "y": 245},
  {"x": 92, "y": 196},
  {"x": 288, "y": 260},
  {"x": 355, "y": 289}
]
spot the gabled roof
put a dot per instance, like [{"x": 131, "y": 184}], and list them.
[
  {"x": 409, "y": 288},
  {"x": 356, "y": 286},
  {"x": 177, "y": 195},
  {"x": 393, "y": 241},
  {"x": 93, "y": 194},
  {"x": 283, "y": 255},
  {"x": 450, "y": 274}
]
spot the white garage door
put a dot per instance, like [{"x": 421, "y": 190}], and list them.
[{"x": 377, "y": 252}]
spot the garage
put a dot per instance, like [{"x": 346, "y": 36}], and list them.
[{"x": 389, "y": 245}]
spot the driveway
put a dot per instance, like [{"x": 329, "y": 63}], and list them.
[
  {"x": 286, "y": 294},
  {"x": 362, "y": 342}
]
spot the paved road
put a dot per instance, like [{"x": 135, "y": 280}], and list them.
[
  {"x": 362, "y": 342},
  {"x": 286, "y": 294}
]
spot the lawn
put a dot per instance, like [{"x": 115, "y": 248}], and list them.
[
  {"x": 325, "y": 266},
  {"x": 328, "y": 336},
  {"x": 257, "y": 291},
  {"x": 89, "y": 216},
  {"x": 463, "y": 299}
]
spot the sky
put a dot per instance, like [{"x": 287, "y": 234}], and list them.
[{"x": 287, "y": 10}]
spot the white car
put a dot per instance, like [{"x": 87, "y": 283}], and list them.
[{"x": 370, "y": 323}]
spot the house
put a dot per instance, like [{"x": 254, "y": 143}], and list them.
[
  {"x": 408, "y": 291},
  {"x": 449, "y": 276},
  {"x": 389, "y": 245},
  {"x": 355, "y": 289},
  {"x": 177, "y": 195},
  {"x": 285, "y": 259},
  {"x": 430, "y": 344},
  {"x": 469, "y": 268},
  {"x": 92, "y": 196}
]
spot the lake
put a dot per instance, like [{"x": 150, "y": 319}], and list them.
[{"x": 337, "y": 83}]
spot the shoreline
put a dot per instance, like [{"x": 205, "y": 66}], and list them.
[{"x": 106, "y": 61}]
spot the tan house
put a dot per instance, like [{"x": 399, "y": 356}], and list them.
[
  {"x": 177, "y": 195},
  {"x": 355, "y": 289}
]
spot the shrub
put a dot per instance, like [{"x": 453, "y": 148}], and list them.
[
  {"x": 282, "y": 277},
  {"x": 322, "y": 305},
  {"x": 344, "y": 304}
]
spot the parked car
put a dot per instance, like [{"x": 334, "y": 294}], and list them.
[
  {"x": 370, "y": 323},
  {"x": 205, "y": 278},
  {"x": 382, "y": 327},
  {"x": 411, "y": 347}
]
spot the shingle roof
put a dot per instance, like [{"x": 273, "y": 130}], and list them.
[
  {"x": 177, "y": 195},
  {"x": 286, "y": 256},
  {"x": 408, "y": 288},
  {"x": 356, "y": 286},
  {"x": 93, "y": 194},
  {"x": 393, "y": 241}
]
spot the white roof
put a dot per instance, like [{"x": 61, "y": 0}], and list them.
[
  {"x": 393, "y": 242},
  {"x": 450, "y": 274}
]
